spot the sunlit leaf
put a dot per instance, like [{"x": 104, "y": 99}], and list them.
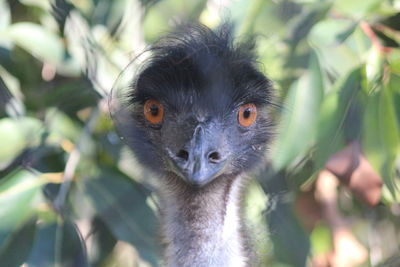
[
  {"x": 19, "y": 191},
  {"x": 38, "y": 41},
  {"x": 374, "y": 69},
  {"x": 321, "y": 240},
  {"x": 329, "y": 31},
  {"x": 394, "y": 61},
  {"x": 5, "y": 17},
  {"x": 158, "y": 19},
  {"x": 45, "y": 4},
  {"x": 356, "y": 8},
  {"x": 61, "y": 126},
  {"x": 11, "y": 141},
  {"x": 16, "y": 135},
  {"x": 328, "y": 38}
]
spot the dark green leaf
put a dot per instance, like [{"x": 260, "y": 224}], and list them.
[
  {"x": 17, "y": 247},
  {"x": 290, "y": 242},
  {"x": 305, "y": 22},
  {"x": 381, "y": 135},
  {"x": 103, "y": 242},
  {"x": 61, "y": 10},
  {"x": 121, "y": 204},
  {"x": 334, "y": 111},
  {"x": 58, "y": 244}
]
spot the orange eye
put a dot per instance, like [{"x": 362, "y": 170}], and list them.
[
  {"x": 247, "y": 114},
  {"x": 153, "y": 111}
]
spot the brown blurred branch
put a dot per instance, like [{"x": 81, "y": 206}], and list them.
[
  {"x": 374, "y": 38},
  {"x": 351, "y": 169},
  {"x": 355, "y": 172},
  {"x": 72, "y": 162},
  {"x": 347, "y": 251}
]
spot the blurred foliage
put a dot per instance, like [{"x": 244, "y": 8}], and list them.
[{"x": 70, "y": 193}]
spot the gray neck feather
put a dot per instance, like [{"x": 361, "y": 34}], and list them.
[{"x": 202, "y": 227}]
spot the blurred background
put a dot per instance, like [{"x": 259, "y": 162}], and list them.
[{"x": 72, "y": 195}]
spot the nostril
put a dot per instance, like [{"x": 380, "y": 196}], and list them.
[
  {"x": 214, "y": 157},
  {"x": 183, "y": 154}
]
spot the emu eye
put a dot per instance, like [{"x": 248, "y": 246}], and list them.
[
  {"x": 153, "y": 111},
  {"x": 247, "y": 114}
]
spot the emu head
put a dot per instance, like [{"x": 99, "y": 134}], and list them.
[{"x": 197, "y": 107}]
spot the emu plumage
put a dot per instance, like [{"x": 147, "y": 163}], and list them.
[{"x": 199, "y": 121}]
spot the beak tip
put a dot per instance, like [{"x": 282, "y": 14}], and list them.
[
  {"x": 201, "y": 177},
  {"x": 195, "y": 179},
  {"x": 196, "y": 171}
]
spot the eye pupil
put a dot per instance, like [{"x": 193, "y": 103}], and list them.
[
  {"x": 247, "y": 113},
  {"x": 154, "y": 110}
]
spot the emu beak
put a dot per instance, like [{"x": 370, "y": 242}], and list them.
[{"x": 201, "y": 160}]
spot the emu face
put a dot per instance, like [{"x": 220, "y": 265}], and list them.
[{"x": 199, "y": 108}]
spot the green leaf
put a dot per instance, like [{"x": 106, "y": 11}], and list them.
[
  {"x": 11, "y": 142},
  {"x": 374, "y": 69},
  {"x": 330, "y": 32},
  {"x": 38, "y": 41},
  {"x": 20, "y": 198},
  {"x": 44, "y": 4},
  {"x": 61, "y": 126},
  {"x": 331, "y": 38},
  {"x": 321, "y": 240},
  {"x": 5, "y": 17},
  {"x": 391, "y": 131},
  {"x": 103, "y": 243},
  {"x": 394, "y": 61},
  {"x": 254, "y": 10},
  {"x": 18, "y": 246},
  {"x": 122, "y": 206},
  {"x": 11, "y": 96},
  {"x": 300, "y": 26},
  {"x": 157, "y": 18},
  {"x": 19, "y": 191},
  {"x": 16, "y": 135},
  {"x": 58, "y": 244},
  {"x": 291, "y": 244},
  {"x": 381, "y": 135},
  {"x": 356, "y": 8},
  {"x": 299, "y": 120},
  {"x": 334, "y": 110}
]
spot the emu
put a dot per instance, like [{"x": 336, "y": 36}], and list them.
[{"x": 198, "y": 118}]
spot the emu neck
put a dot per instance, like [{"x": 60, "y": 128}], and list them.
[{"x": 201, "y": 226}]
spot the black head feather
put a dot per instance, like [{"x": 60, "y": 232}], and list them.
[
  {"x": 195, "y": 65},
  {"x": 201, "y": 77}
]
